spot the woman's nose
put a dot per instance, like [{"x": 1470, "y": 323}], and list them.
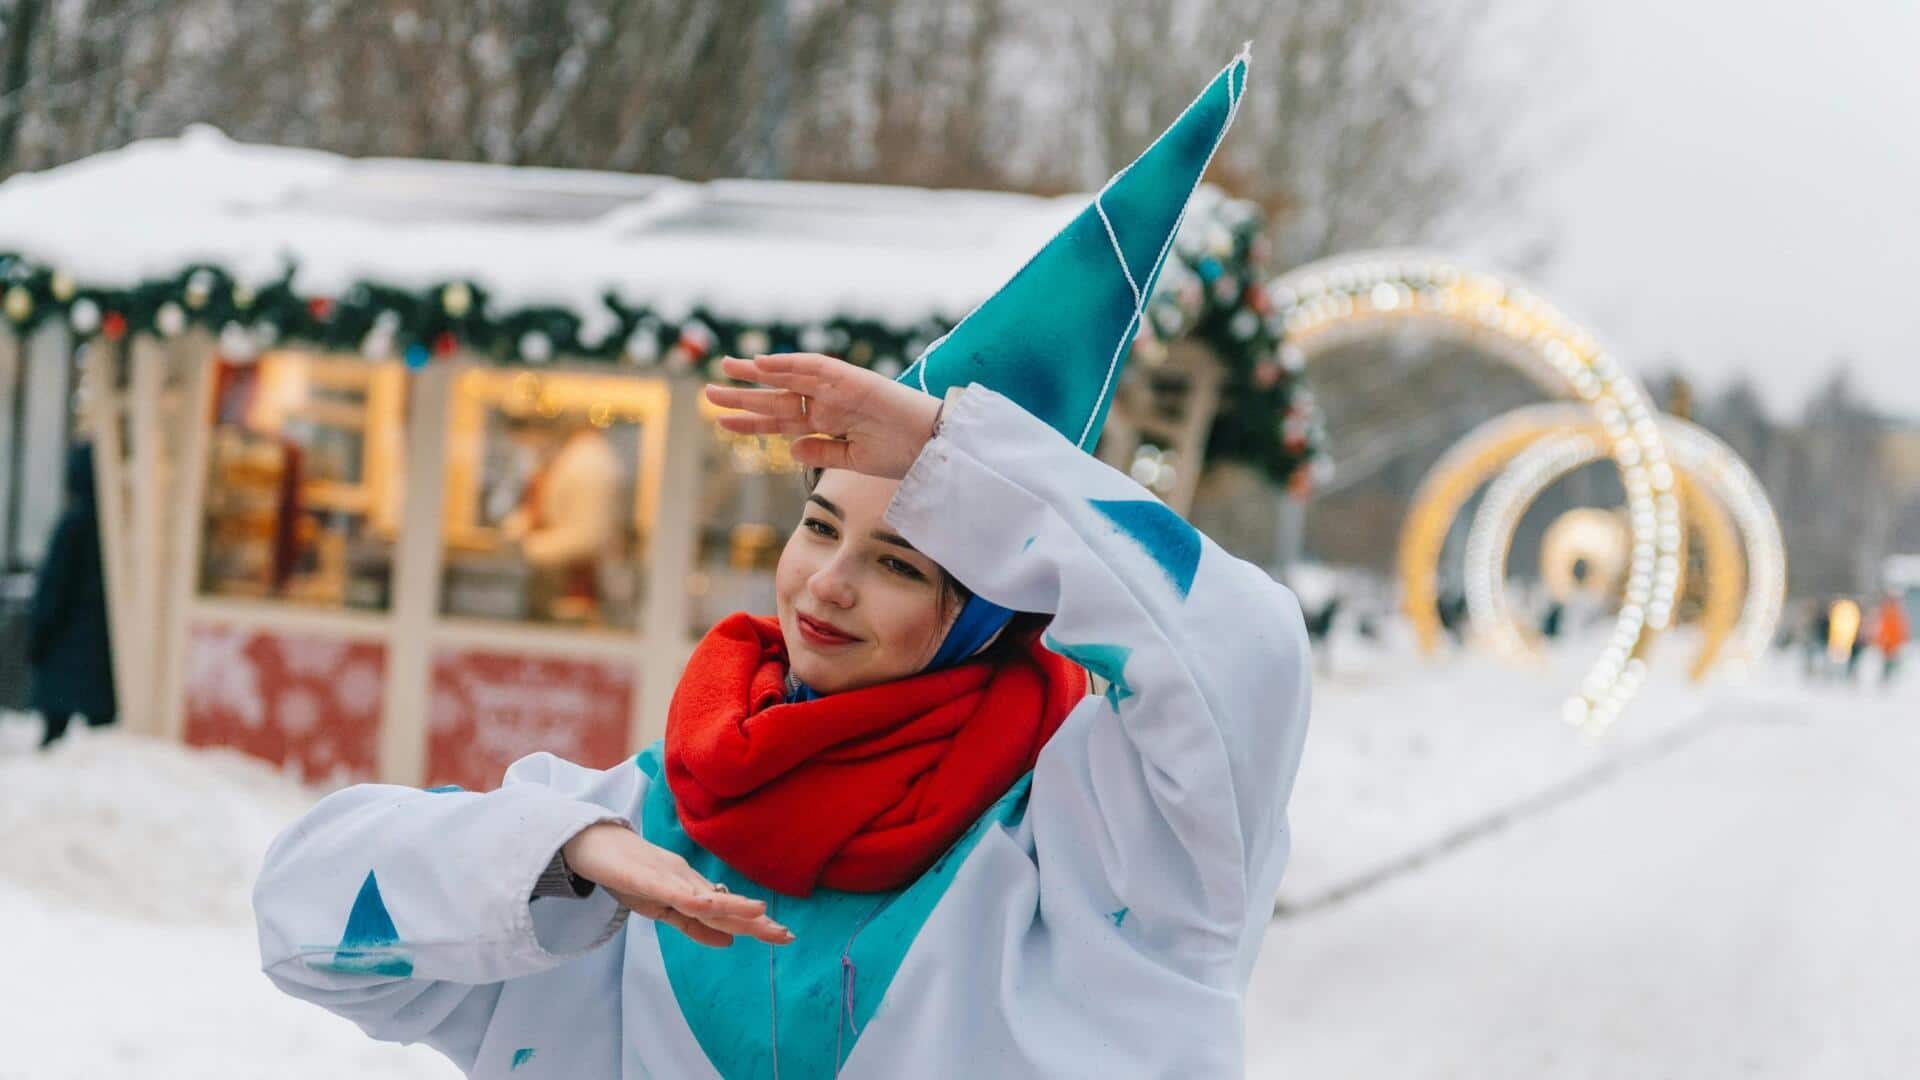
[{"x": 831, "y": 585}]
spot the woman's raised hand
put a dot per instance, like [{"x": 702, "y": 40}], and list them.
[
  {"x": 650, "y": 880},
  {"x": 840, "y": 416}
]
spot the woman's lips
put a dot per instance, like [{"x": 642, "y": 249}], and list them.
[{"x": 819, "y": 633}]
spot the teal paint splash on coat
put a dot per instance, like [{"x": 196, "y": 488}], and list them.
[
  {"x": 731, "y": 996},
  {"x": 1166, "y": 537},
  {"x": 1105, "y": 660}
]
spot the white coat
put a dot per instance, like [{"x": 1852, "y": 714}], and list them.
[{"x": 1100, "y": 921}]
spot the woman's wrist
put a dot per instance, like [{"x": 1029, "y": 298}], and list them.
[{"x": 940, "y": 414}]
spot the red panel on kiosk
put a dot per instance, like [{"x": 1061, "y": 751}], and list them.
[
  {"x": 309, "y": 703},
  {"x": 489, "y": 709}
]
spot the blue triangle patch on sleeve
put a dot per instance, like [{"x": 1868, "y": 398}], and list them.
[
  {"x": 370, "y": 945},
  {"x": 1163, "y": 534}
]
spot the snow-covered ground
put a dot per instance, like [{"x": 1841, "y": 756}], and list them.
[
  {"x": 1714, "y": 890},
  {"x": 1740, "y": 907}
]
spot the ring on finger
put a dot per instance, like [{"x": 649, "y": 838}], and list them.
[{"x": 803, "y": 404}]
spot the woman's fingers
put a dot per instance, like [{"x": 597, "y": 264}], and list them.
[
  {"x": 697, "y": 930},
  {"x": 751, "y": 424},
  {"x": 821, "y": 452},
  {"x": 779, "y": 403},
  {"x": 798, "y": 372},
  {"x": 720, "y": 916},
  {"x": 736, "y": 915},
  {"x": 729, "y": 913}
]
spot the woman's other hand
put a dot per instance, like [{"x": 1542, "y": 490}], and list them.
[
  {"x": 852, "y": 418},
  {"x": 650, "y": 880}
]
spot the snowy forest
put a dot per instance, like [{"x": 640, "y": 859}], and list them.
[{"x": 1379, "y": 122}]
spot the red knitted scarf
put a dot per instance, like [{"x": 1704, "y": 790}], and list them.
[{"x": 860, "y": 790}]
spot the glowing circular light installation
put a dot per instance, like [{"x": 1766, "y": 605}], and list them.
[
  {"x": 1745, "y": 557},
  {"x": 1338, "y": 299},
  {"x": 1586, "y": 537}
]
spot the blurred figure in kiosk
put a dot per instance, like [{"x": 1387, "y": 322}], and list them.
[
  {"x": 67, "y": 646},
  {"x": 1890, "y": 634},
  {"x": 564, "y": 525}
]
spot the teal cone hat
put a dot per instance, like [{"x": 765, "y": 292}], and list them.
[{"x": 1054, "y": 337}]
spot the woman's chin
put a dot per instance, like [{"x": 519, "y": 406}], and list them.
[{"x": 812, "y": 669}]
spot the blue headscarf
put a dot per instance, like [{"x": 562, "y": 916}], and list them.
[{"x": 979, "y": 620}]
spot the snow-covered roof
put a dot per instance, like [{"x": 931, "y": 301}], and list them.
[{"x": 759, "y": 250}]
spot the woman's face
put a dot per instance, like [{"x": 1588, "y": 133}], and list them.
[{"x": 857, "y": 604}]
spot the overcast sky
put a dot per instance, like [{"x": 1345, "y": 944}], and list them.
[{"x": 1742, "y": 187}]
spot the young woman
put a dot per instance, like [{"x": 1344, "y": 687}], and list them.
[{"x": 889, "y": 832}]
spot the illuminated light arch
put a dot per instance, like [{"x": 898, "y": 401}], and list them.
[
  {"x": 1744, "y": 554},
  {"x": 1352, "y": 296},
  {"x": 1532, "y": 471}
]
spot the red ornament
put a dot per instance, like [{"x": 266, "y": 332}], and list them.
[
  {"x": 1300, "y": 484},
  {"x": 321, "y": 308},
  {"x": 1258, "y": 300},
  {"x": 113, "y": 325},
  {"x": 445, "y": 343}
]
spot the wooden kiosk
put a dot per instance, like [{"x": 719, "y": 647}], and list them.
[{"x": 321, "y": 389}]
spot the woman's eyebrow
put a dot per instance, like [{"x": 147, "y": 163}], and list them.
[{"x": 878, "y": 534}]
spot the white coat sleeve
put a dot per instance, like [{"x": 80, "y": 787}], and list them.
[
  {"x": 1161, "y": 804},
  {"x": 405, "y": 910}
]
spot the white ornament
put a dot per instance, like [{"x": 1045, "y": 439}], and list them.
[
  {"x": 643, "y": 346},
  {"x": 199, "y": 289},
  {"x": 170, "y": 320},
  {"x": 536, "y": 347},
  {"x": 753, "y": 342},
  {"x": 236, "y": 343},
  {"x": 85, "y": 316}
]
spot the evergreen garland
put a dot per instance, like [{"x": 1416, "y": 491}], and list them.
[{"x": 1213, "y": 290}]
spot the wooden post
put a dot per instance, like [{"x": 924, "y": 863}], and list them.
[
  {"x": 146, "y": 472},
  {"x": 131, "y": 690},
  {"x": 664, "y": 639},
  {"x": 401, "y": 753},
  {"x": 187, "y": 494},
  {"x": 1196, "y": 422}
]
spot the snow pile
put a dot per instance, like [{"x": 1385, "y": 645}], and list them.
[{"x": 141, "y": 828}]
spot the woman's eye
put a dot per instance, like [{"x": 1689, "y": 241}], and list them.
[
  {"x": 815, "y": 525},
  {"x": 904, "y": 569}
]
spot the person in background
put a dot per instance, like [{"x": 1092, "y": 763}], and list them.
[
  {"x": 67, "y": 647},
  {"x": 1815, "y": 641},
  {"x": 1843, "y": 636},
  {"x": 1890, "y": 634},
  {"x": 565, "y": 523}
]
